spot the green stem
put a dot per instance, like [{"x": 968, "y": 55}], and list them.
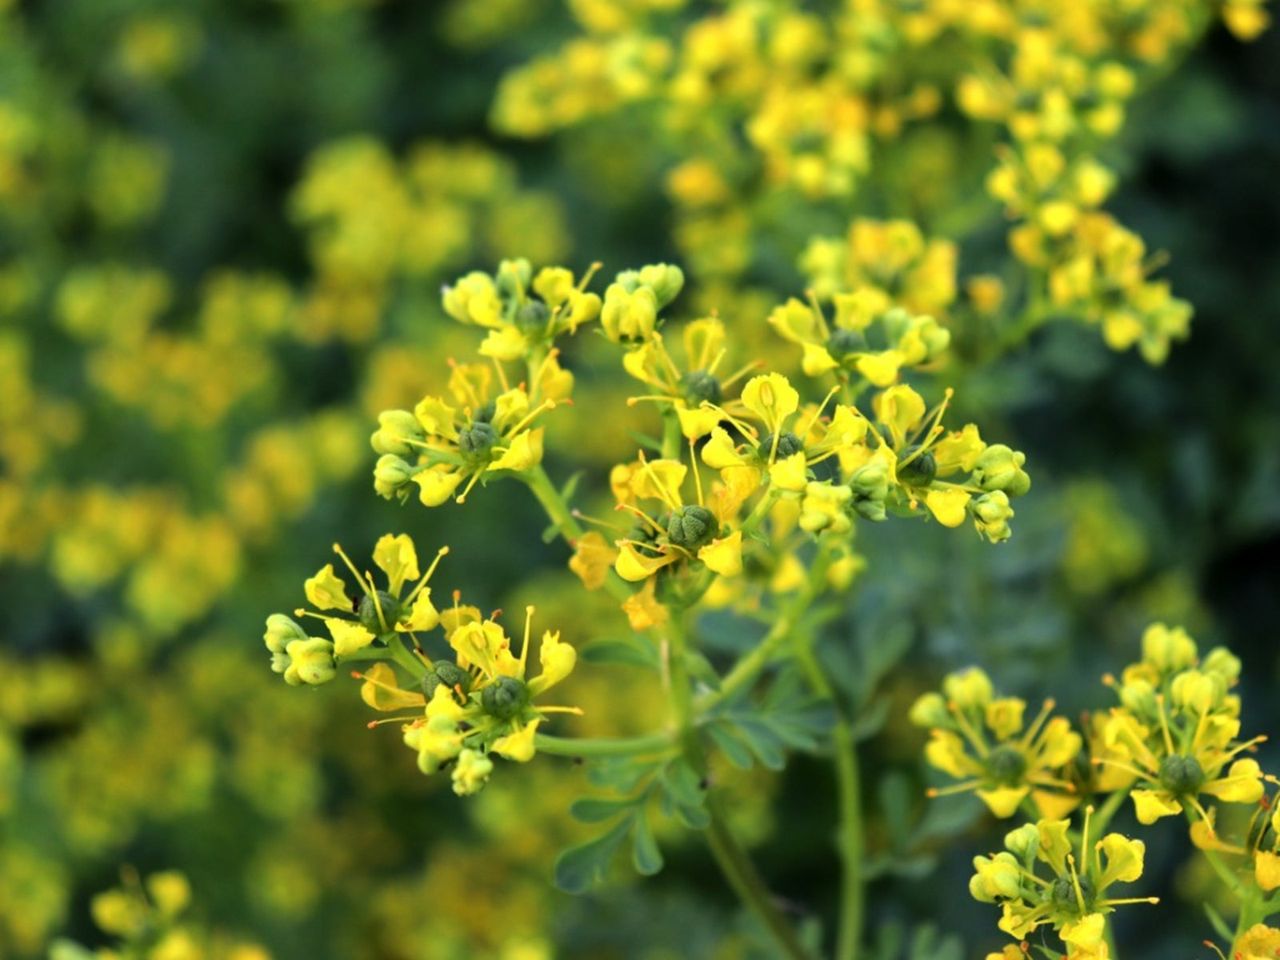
[
  {"x": 603, "y": 747},
  {"x": 672, "y": 438},
  {"x": 1224, "y": 872},
  {"x": 733, "y": 861},
  {"x": 745, "y": 671},
  {"x": 748, "y": 885},
  {"x": 849, "y": 839},
  {"x": 401, "y": 655},
  {"x": 1102, "y": 818}
]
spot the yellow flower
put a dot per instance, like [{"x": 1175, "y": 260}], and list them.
[{"x": 979, "y": 740}]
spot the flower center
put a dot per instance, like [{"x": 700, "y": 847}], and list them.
[
  {"x": 504, "y": 698},
  {"x": 1006, "y": 765},
  {"x": 921, "y": 470},
  {"x": 1181, "y": 775},
  {"x": 692, "y": 526},
  {"x": 788, "y": 445},
  {"x": 699, "y": 386}
]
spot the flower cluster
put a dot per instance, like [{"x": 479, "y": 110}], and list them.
[
  {"x": 1175, "y": 731},
  {"x": 477, "y": 704},
  {"x": 983, "y": 742},
  {"x": 1072, "y": 899},
  {"x": 372, "y": 620},
  {"x": 1170, "y": 745}
]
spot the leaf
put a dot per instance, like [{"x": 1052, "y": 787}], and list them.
[
  {"x": 1219, "y": 925},
  {"x": 733, "y": 748},
  {"x": 871, "y": 720},
  {"x": 896, "y": 804},
  {"x": 599, "y": 809},
  {"x": 620, "y": 774},
  {"x": 630, "y": 652},
  {"x": 683, "y": 795},
  {"x": 579, "y": 868},
  {"x": 763, "y": 742},
  {"x": 645, "y": 855}
]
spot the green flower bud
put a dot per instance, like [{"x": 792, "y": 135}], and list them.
[
  {"x": 513, "y": 277},
  {"x": 920, "y": 470},
  {"x": 870, "y": 485},
  {"x": 368, "y": 612},
  {"x": 1222, "y": 662},
  {"x": 448, "y": 673},
  {"x": 310, "y": 662},
  {"x": 390, "y": 475},
  {"x": 930, "y": 710},
  {"x": 1063, "y": 894},
  {"x": 844, "y": 343},
  {"x": 532, "y": 315},
  {"x": 1006, "y": 765},
  {"x": 281, "y": 630},
  {"x": 1139, "y": 698},
  {"x": 968, "y": 689},
  {"x": 628, "y": 316},
  {"x": 788, "y": 445},
  {"x": 665, "y": 280},
  {"x": 992, "y": 513},
  {"x": 1023, "y": 842},
  {"x": 692, "y": 526},
  {"x": 505, "y": 698},
  {"x": 1000, "y": 468},
  {"x": 477, "y": 439},
  {"x": 395, "y": 429},
  {"x": 700, "y": 387},
  {"x": 1181, "y": 775}
]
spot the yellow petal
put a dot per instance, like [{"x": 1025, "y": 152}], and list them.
[
  {"x": 724, "y": 556},
  {"x": 506, "y": 344},
  {"x": 790, "y": 474},
  {"x": 1085, "y": 932},
  {"x": 326, "y": 592},
  {"x": 1003, "y": 801},
  {"x": 1150, "y": 805},
  {"x": 1242, "y": 784},
  {"x": 771, "y": 398},
  {"x": 881, "y": 369},
  {"x": 557, "y": 660},
  {"x": 436, "y": 486},
  {"x": 518, "y": 746},
  {"x": 947, "y": 505},
  {"x": 423, "y": 615},
  {"x": 816, "y": 360},
  {"x": 592, "y": 557},
  {"x": 381, "y": 690},
  {"x": 1266, "y": 870},
  {"x": 719, "y": 452},
  {"x": 635, "y": 565},
  {"x": 696, "y": 424},
  {"x": 396, "y": 557},
  {"x": 348, "y": 637},
  {"x": 524, "y": 452},
  {"x": 643, "y": 609}
]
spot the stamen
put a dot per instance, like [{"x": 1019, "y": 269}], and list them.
[
  {"x": 524, "y": 649},
  {"x": 440, "y": 554},
  {"x": 697, "y": 475},
  {"x": 1032, "y": 731},
  {"x": 366, "y": 587},
  {"x": 462, "y": 497},
  {"x": 1164, "y": 723},
  {"x": 742, "y": 372}
]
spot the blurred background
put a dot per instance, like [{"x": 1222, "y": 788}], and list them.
[{"x": 224, "y": 225}]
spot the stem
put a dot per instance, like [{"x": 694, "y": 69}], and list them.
[
  {"x": 733, "y": 861},
  {"x": 749, "y": 666},
  {"x": 1102, "y": 817},
  {"x": 603, "y": 747},
  {"x": 401, "y": 655},
  {"x": 747, "y": 884},
  {"x": 1223, "y": 871},
  {"x": 849, "y": 836}
]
